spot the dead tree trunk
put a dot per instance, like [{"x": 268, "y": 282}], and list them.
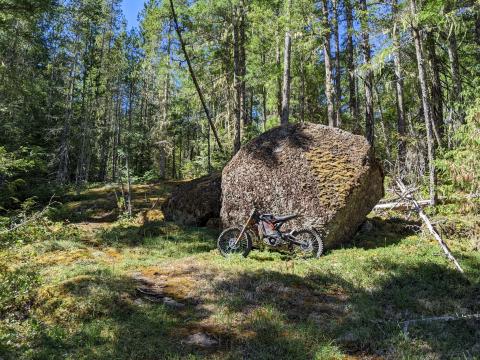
[
  {"x": 426, "y": 107},
  {"x": 194, "y": 78},
  {"x": 408, "y": 196}
]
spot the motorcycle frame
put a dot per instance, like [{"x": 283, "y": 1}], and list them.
[{"x": 285, "y": 236}]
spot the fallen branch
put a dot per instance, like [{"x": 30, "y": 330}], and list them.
[
  {"x": 29, "y": 220},
  {"x": 405, "y": 205},
  {"x": 194, "y": 78},
  {"x": 402, "y": 205},
  {"x": 407, "y": 195}
]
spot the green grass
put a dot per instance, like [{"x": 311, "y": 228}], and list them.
[{"x": 70, "y": 292}]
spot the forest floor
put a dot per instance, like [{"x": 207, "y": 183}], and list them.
[{"x": 90, "y": 284}]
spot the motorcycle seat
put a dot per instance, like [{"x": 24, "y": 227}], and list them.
[{"x": 284, "y": 217}]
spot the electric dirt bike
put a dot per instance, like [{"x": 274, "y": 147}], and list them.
[{"x": 305, "y": 243}]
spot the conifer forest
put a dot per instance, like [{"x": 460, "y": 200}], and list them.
[{"x": 126, "y": 148}]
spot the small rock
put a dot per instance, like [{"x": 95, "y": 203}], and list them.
[
  {"x": 201, "y": 339},
  {"x": 138, "y": 302},
  {"x": 171, "y": 302}
]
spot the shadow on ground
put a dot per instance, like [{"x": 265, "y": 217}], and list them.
[
  {"x": 293, "y": 317},
  {"x": 262, "y": 315}
]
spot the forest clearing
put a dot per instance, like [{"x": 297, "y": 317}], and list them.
[
  {"x": 104, "y": 287},
  {"x": 239, "y": 179}
]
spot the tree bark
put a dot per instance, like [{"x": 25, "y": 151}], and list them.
[
  {"x": 329, "y": 90},
  {"x": 426, "y": 108},
  {"x": 368, "y": 81}
]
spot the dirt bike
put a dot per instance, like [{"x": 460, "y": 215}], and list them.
[{"x": 267, "y": 228}]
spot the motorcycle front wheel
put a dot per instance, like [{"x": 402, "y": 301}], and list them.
[{"x": 228, "y": 245}]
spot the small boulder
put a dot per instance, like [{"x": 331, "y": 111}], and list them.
[{"x": 195, "y": 202}]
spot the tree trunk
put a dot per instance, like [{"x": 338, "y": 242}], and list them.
[
  {"x": 62, "y": 171},
  {"x": 166, "y": 106},
  {"x": 129, "y": 186},
  {"x": 477, "y": 31},
  {"x": 338, "y": 85},
  {"x": 286, "y": 72},
  {"x": 174, "y": 163},
  {"x": 194, "y": 78},
  {"x": 279, "y": 77},
  {"x": 368, "y": 81},
  {"x": 242, "y": 63},
  {"x": 456, "y": 79},
  {"x": 436, "y": 89},
  {"x": 426, "y": 108},
  {"x": 352, "y": 100},
  {"x": 401, "y": 145},
  {"x": 237, "y": 82},
  {"x": 329, "y": 91}
]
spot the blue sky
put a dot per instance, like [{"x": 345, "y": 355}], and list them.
[{"x": 130, "y": 9}]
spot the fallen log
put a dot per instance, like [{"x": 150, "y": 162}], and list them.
[{"x": 403, "y": 205}]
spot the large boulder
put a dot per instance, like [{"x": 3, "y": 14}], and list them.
[
  {"x": 195, "y": 202},
  {"x": 328, "y": 176}
]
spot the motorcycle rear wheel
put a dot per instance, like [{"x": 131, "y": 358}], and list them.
[{"x": 312, "y": 244}]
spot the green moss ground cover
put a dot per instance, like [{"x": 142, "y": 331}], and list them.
[{"x": 68, "y": 290}]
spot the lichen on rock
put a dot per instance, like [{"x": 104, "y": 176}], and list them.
[{"x": 326, "y": 175}]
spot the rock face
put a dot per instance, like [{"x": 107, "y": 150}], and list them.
[
  {"x": 195, "y": 202},
  {"x": 326, "y": 175}
]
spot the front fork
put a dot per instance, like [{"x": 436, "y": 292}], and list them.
[{"x": 244, "y": 228}]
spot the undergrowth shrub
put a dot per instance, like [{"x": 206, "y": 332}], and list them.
[{"x": 460, "y": 166}]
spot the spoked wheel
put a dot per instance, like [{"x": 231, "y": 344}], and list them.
[
  {"x": 311, "y": 244},
  {"x": 227, "y": 242}
]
